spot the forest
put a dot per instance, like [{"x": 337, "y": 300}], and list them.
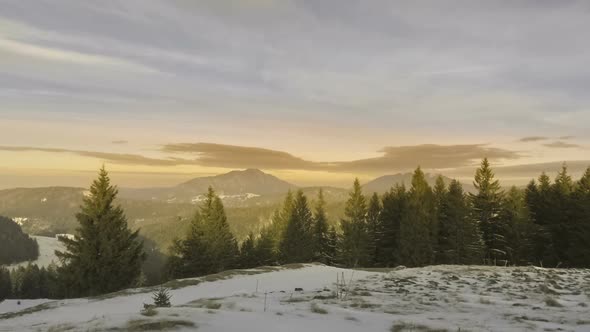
[{"x": 545, "y": 224}]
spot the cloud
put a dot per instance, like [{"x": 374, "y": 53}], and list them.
[
  {"x": 566, "y": 137},
  {"x": 56, "y": 54},
  {"x": 120, "y": 142},
  {"x": 561, "y": 145},
  {"x": 533, "y": 139},
  {"x": 231, "y": 156},
  {"x": 392, "y": 158},
  {"x": 428, "y": 156},
  {"x": 117, "y": 158}
]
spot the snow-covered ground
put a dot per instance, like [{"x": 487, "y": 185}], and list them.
[
  {"x": 437, "y": 298},
  {"x": 47, "y": 248}
]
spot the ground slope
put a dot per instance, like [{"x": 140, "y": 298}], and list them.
[{"x": 438, "y": 298}]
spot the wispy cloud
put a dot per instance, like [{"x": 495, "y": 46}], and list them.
[
  {"x": 533, "y": 139},
  {"x": 68, "y": 56},
  {"x": 231, "y": 156},
  {"x": 120, "y": 142},
  {"x": 561, "y": 145}
]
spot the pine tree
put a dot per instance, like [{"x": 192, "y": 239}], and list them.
[
  {"x": 394, "y": 208},
  {"x": 353, "y": 246},
  {"x": 297, "y": 243},
  {"x": 209, "y": 246},
  {"x": 440, "y": 195},
  {"x": 264, "y": 249},
  {"x": 162, "y": 298},
  {"x": 561, "y": 218},
  {"x": 248, "y": 257},
  {"x": 416, "y": 243},
  {"x": 486, "y": 204},
  {"x": 373, "y": 227},
  {"x": 222, "y": 247},
  {"x": 105, "y": 255},
  {"x": 579, "y": 232},
  {"x": 321, "y": 251},
  {"x": 280, "y": 219},
  {"x": 519, "y": 228},
  {"x": 5, "y": 284}
]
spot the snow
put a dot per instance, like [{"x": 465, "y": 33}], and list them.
[
  {"x": 47, "y": 248},
  {"x": 473, "y": 298}
]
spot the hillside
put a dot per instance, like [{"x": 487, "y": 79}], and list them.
[
  {"x": 15, "y": 245},
  {"x": 234, "y": 187},
  {"x": 384, "y": 183},
  {"x": 436, "y": 298},
  {"x": 47, "y": 248}
]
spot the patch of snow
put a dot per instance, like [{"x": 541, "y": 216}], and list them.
[
  {"x": 44, "y": 200},
  {"x": 20, "y": 220},
  {"x": 47, "y": 248},
  {"x": 474, "y": 298}
]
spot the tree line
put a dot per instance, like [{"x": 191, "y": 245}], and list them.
[
  {"x": 547, "y": 224},
  {"x": 16, "y": 245}
]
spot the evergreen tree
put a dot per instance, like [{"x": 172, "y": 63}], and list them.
[
  {"x": 162, "y": 298},
  {"x": 486, "y": 204},
  {"x": 248, "y": 257},
  {"x": 321, "y": 251},
  {"x": 297, "y": 243},
  {"x": 374, "y": 229},
  {"x": 519, "y": 228},
  {"x": 5, "y": 284},
  {"x": 222, "y": 247},
  {"x": 416, "y": 243},
  {"x": 394, "y": 208},
  {"x": 440, "y": 192},
  {"x": 209, "y": 246},
  {"x": 561, "y": 218},
  {"x": 353, "y": 246},
  {"x": 264, "y": 249},
  {"x": 332, "y": 246},
  {"x": 540, "y": 206},
  {"x": 105, "y": 255},
  {"x": 579, "y": 233},
  {"x": 280, "y": 219},
  {"x": 459, "y": 238}
]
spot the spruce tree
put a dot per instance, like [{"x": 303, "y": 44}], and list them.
[
  {"x": 321, "y": 245},
  {"x": 161, "y": 298},
  {"x": 248, "y": 257},
  {"x": 105, "y": 255},
  {"x": 519, "y": 228},
  {"x": 440, "y": 192},
  {"x": 5, "y": 284},
  {"x": 265, "y": 248},
  {"x": 394, "y": 208},
  {"x": 416, "y": 247},
  {"x": 486, "y": 205},
  {"x": 579, "y": 232},
  {"x": 209, "y": 246},
  {"x": 297, "y": 243},
  {"x": 374, "y": 229},
  {"x": 280, "y": 219},
  {"x": 561, "y": 218},
  {"x": 353, "y": 246}
]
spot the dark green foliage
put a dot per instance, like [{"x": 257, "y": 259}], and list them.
[
  {"x": 353, "y": 246},
  {"x": 579, "y": 230},
  {"x": 297, "y": 243},
  {"x": 5, "y": 284},
  {"x": 265, "y": 252},
  {"x": 209, "y": 247},
  {"x": 519, "y": 228},
  {"x": 162, "y": 298},
  {"x": 16, "y": 245},
  {"x": 322, "y": 248},
  {"x": 248, "y": 257},
  {"x": 486, "y": 207},
  {"x": 394, "y": 208},
  {"x": 105, "y": 256},
  {"x": 374, "y": 228},
  {"x": 417, "y": 244}
]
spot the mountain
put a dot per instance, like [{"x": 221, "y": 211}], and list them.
[
  {"x": 384, "y": 183},
  {"x": 233, "y": 186}
]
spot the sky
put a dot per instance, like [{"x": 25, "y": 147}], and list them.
[{"x": 315, "y": 92}]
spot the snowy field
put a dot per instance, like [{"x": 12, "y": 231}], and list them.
[
  {"x": 437, "y": 298},
  {"x": 47, "y": 248}
]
